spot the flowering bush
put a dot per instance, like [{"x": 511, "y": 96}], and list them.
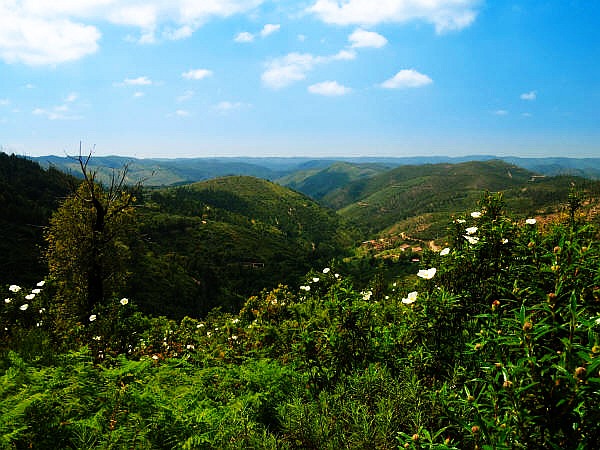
[{"x": 494, "y": 342}]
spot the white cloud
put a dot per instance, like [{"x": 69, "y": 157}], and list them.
[
  {"x": 4, "y": 102},
  {"x": 177, "y": 34},
  {"x": 362, "y": 38},
  {"x": 37, "y": 41},
  {"x": 138, "y": 94},
  {"x": 60, "y": 112},
  {"x": 182, "y": 113},
  {"x": 343, "y": 55},
  {"x": 196, "y": 74},
  {"x": 71, "y": 97},
  {"x": 445, "y": 15},
  {"x": 185, "y": 96},
  {"x": 244, "y": 37},
  {"x": 269, "y": 29},
  {"x": 43, "y": 32},
  {"x": 329, "y": 88},
  {"x": 407, "y": 78},
  {"x": 225, "y": 107},
  {"x": 301, "y": 37},
  {"x": 532, "y": 95},
  {"x": 139, "y": 81},
  {"x": 282, "y": 72},
  {"x": 500, "y": 112}
]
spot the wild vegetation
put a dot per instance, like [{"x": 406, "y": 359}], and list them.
[{"x": 492, "y": 341}]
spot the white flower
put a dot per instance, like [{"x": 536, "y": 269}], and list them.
[
  {"x": 41, "y": 283},
  {"x": 190, "y": 347},
  {"x": 505, "y": 241},
  {"x": 234, "y": 337},
  {"x": 97, "y": 338},
  {"x": 7, "y": 300},
  {"x": 326, "y": 270},
  {"x": 305, "y": 288},
  {"x": 460, "y": 220},
  {"x": 24, "y": 307},
  {"x": 530, "y": 221},
  {"x": 154, "y": 357},
  {"x": 29, "y": 296},
  {"x": 200, "y": 325},
  {"x": 337, "y": 275},
  {"x": 367, "y": 295},
  {"x": 36, "y": 291},
  {"x": 315, "y": 280},
  {"x": 236, "y": 320},
  {"x": 476, "y": 214},
  {"x": 411, "y": 298},
  {"x": 472, "y": 239},
  {"x": 445, "y": 251},
  {"x": 471, "y": 230},
  {"x": 14, "y": 288},
  {"x": 427, "y": 274},
  {"x": 92, "y": 317},
  {"x": 124, "y": 301}
]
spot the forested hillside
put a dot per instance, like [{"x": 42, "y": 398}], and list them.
[
  {"x": 419, "y": 199},
  {"x": 318, "y": 182},
  {"x": 492, "y": 342},
  {"x": 28, "y": 196},
  {"x": 230, "y": 237}
]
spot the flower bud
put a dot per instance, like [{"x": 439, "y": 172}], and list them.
[{"x": 580, "y": 372}]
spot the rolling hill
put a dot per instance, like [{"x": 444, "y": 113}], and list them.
[
  {"x": 420, "y": 200},
  {"x": 319, "y": 182},
  {"x": 228, "y": 238}
]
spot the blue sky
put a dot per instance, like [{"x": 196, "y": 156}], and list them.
[{"x": 194, "y": 78}]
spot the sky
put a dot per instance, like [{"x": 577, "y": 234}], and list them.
[{"x": 318, "y": 78}]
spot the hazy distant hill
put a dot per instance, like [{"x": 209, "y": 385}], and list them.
[
  {"x": 378, "y": 202},
  {"x": 297, "y": 172},
  {"x": 420, "y": 200},
  {"x": 583, "y": 167},
  {"x": 319, "y": 182}
]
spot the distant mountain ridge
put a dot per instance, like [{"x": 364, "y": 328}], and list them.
[{"x": 295, "y": 171}]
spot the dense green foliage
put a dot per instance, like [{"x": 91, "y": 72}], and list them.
[
  {"x": 495, "y": 343},
  {"x": 418, "y": 199},
  {"x": 319, "y": 182},
  {"x": 28, "y": 196},
  {"x": 216, "y": 242}
]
